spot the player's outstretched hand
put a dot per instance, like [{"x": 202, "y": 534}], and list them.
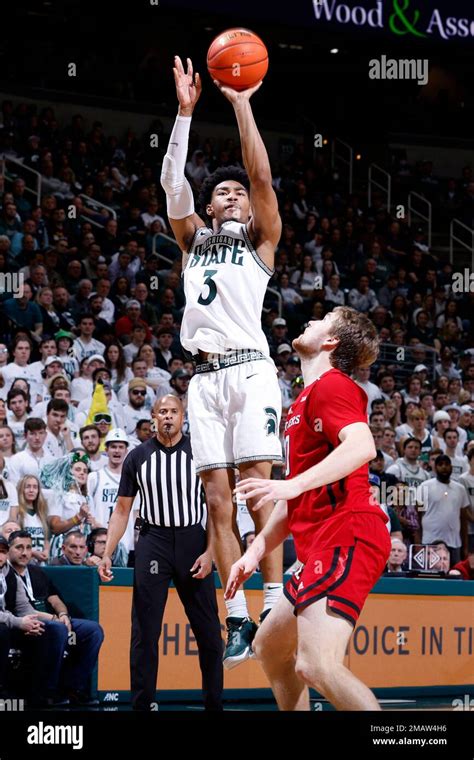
[
  {"x": 239, "y": 572},
  {"x": 267, "y": 490},
  {"x": 104, "y": 569},
  {"x": 235, "y": 95},
  {"x": 188, "y": 86}
]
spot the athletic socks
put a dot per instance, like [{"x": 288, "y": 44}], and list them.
[
  {"x": 237, "y": 607},
  {"x": 271, "y": 594}
]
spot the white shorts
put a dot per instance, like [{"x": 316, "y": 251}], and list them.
[{"x": 234, "y": 415}]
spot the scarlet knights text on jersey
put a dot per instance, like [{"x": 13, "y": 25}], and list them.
[
  {"x": 225, "y": 282},
  {"x": 337, "y": 514}
]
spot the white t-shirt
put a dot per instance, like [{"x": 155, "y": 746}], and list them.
[
  {"x": 26, "y": 463},
  {"x": 132, "y": 416},
  {"x": 18, "y": 429},
  {"x": 83, "y": 349},
  {"x": 98, "y": 464},
  {"x": 81, "y": 388},
  {"x": 55, "y": 446},
  {"x": 7, "y": 503},
  {"x": 34, "y": 526},
  {"x": 11, "y": 372},
  {"x": 373, "y": 392},
  {"x": 411, "y": 475},
  {"x": 467, "y": 480},
  {"x": 442, "y": 516},
  {"x": 459, "y": 465}
]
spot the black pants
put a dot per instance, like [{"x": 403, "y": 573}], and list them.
[
  {"x": 175, "y": 550},
  {"x": 5, "y": 644}
]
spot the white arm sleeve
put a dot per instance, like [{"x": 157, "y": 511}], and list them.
[{"x": 179, "y": 196}]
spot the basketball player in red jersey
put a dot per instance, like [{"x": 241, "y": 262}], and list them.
[{"x": 340, "y": 534}]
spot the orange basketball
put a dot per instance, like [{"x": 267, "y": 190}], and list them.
[{"x": 237, "y": 58}]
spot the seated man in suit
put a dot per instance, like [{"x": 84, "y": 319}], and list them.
[{"x": 29, "y": 591}]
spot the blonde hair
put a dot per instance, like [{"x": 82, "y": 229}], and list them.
[{"x": 40, "y": 506}]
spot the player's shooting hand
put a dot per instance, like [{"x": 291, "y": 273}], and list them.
[
  {"x": 104, "y": 569},
  {"x": 237, "y": 95},
  {"x": 188, "y": 86},
  {"x": 267, "y": 490},
  {"x": 203, "y": 566},
  {"x": 239, "y": 572}
]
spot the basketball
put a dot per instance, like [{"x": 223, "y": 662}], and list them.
[{"x": 237, "y": 58}]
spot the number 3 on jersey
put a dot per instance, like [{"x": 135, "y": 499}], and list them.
[{"x": 208, "y": 275}]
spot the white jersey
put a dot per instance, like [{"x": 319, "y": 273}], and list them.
[
  {"x": 102, "y": 487},
  {"x": 224, "y": 283},
  {"x": 8, "y": 499},
  {"x": 411, "y": 475}
]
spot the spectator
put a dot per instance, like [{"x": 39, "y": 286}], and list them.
[
  {"x": 67, "y": 477},
  {"x": 85, "y": 345},
  {"x": 34, "y": 455},
  {"x": 7, "y": 443},
  {"x": 361, "y": 376},
  {"x": 459, "y": 464},
  {"x": 467, "y": 480},
  {"x": 135, "y": 409},
  {"x": 17, "y": 403},
  {"x": 397, "y": 557},
  {"x": 444, "y": 510},
  {"x": 292, "y": 370},
  {"x": 362, "y": 298},
  {"x": 115, "y": 361},
  {"x": 157, "y": 363},
  {"x": 32, "y": 517},
  {"x": 465, "y": 568},
  {"x": 46, "y": 651},
  {"x": 103, "y": 485},
  {"x": 407, "y": 469},
  {"x": 74, "y": 550},
  {"x": 90, "y": 441},
  {"x": 8, "y": 496}
]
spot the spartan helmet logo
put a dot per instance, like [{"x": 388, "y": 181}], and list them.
[{"x": 271, "y": 424}]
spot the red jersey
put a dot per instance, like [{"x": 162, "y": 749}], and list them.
[
  {"x": 332, "y": 515},
  {"x": 467, "y": 572}
]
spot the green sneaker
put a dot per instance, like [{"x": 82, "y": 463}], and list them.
[{"x": 240, "y": 634}]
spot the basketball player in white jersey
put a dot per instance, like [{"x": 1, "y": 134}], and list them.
[
  {"x": 102, "y": 485},
  {"x": 234, "y": 401}
]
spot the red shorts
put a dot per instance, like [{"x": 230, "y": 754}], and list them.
[{"x": 345, "y": 575}]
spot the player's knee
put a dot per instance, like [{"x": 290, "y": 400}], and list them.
[
  {"x": 268, "y": 647},
  {"x": 259, "y": 647},
  {"x": 312, "y": 672},
  {"x": 219, "y": 506}
]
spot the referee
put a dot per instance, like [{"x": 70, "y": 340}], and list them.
[{"x": 172, "y": 546}]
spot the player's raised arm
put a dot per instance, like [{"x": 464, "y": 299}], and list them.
[
  {"x": 179, "y": 196},
  {"x": 265, "y": 224}
]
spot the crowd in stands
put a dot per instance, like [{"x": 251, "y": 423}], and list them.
[{"x": 100, "y": 305}]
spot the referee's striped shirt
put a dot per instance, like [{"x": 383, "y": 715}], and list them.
[{"x": 171, "y": 491}]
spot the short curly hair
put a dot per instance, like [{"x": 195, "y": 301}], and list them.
[{"x": 220, "y": 175}]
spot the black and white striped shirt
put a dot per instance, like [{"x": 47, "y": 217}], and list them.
[{"x": 171, "y": 492}]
